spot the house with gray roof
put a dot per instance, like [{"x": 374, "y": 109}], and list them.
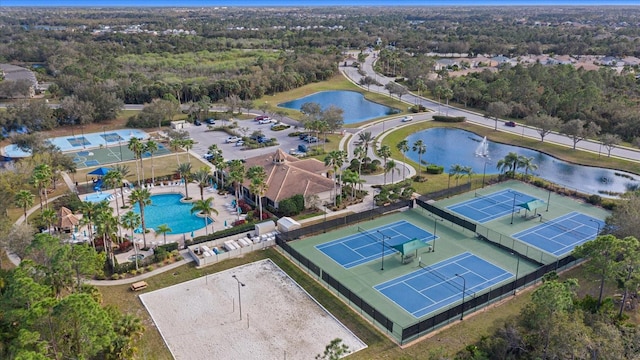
[{"x": 12, "y": 75}]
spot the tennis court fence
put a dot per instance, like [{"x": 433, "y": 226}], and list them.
[{"x": 405, "y": 334}]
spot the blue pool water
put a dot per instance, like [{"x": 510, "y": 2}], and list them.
[
  {"x": 446, "y": 147},
  {"x": 167, "y": 209},
  {"x": 356, "y": 108},
  {"x": 97, "y": 197}
]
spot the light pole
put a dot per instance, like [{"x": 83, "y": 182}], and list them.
[
  {"x": 382, "y": 254},
  {"x": 515, "y": 283},
  {"x": 435, "y": 230},
  {"x": 104, "y": 134},
  {"x": 464, "y": 289},
  {"x": 240, "y": 283},
  {"x": 513, "y": 207},
  {"x": 597, "y": 223}
]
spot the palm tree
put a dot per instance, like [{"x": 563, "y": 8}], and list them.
[
  {"x": 137, "y": 147},
  {"x": 123, "y": 171},
  {"x": 420, "y": 148},
  {"x": 219, "y": 162},
  {"x": 24, "y": 199},
  {"x": 455, "y": 171},
  {"x": 390, "y": 167},
  {"x": 188, "y": 145},
  {"x": 202, "y": 177},
  {"x": 360, "y": 154},
  {"x": 365, "y": 139},
  {"x": 106, "y": 225},
  {"x": 48, "y": 216},
  {"x": 152, "y": 147},
  {"x": 527, "y": 164},
  {"x": 509, "y": 163},
  {"x": 467, "y": 170},
  {"x": 184, "y": 170},
  {"x": 41, "y": 179},
  {"x": 175, "y": 145},
  {"x": 89, "y": 211},
  {"x": 131, "y": 221},
  {"x": 113, "y": 179},
  {"x": 143, "y": 198},
  {"x": 163, "y": 229},
  {"x": 258, "y": 178},
  {"x": 384, "y": 152},
  {"x": 236, "y": 176},
  {"x": 205, "y": 207},
  {"x": 335, "y": 159},
  {"x": 403, "y": 147}
]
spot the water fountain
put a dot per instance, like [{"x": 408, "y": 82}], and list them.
[{"x": 483, "y": 148}]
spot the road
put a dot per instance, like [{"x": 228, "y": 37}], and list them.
[{"x": 554, "y": 137}]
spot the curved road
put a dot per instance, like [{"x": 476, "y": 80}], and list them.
[{"x": 587, "y": 145}]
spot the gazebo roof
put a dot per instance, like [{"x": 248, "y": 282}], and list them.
[
  {"x": 532, "y": 205},
  {"x": 66, "y": 219},
  {"x": 410, "y": 245}
]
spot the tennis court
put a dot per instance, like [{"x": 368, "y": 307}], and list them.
[
  {"x": 440, "y": 285},
  {"x": 484, "y": 208},
  {"x": 561, "y": 235},
  {"x": 109, "y": 155},
  {"x": 366, "y": 245}
]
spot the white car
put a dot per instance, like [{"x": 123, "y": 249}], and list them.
[
  {"x": 407, "y": 118},
  {"x": 233, "y": 139},
  {"x": 265, "y": 121}
]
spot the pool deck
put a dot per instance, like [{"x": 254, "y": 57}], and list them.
[{"x": 219, "y": 202}]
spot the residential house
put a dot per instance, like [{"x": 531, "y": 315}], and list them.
[{"x": 12, "y": 73}]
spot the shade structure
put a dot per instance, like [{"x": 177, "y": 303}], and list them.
[
  {"x": 410, "y": 245},
  {"x": 101, "y": 171},
  {"x": 532, "y": 205},
  {"x": 66, "y": 219}
]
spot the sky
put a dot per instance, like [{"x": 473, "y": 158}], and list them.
[{"x": 201, "y": 3}]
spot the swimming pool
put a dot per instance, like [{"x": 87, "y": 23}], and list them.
[
  {"x": 167, "y": 209},
  {"x": 97, "y": 196}
]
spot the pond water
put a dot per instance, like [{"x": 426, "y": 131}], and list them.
[
  {"x": 446, "y": 147},
  {"x": 356, "y": 108}
]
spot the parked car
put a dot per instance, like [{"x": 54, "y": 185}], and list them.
[
  {"x": 210, "y": 121},
  {"x": 510, "y": 124},
  {"x": 262, "y": 117},
  {"x": 303, "y": 136},
  {"x": 311, "y": 139},
  {"x": 233, "y": 139},
  {"x": 302, "y": 148},
  {"x": 264, "y": 121},
  {"x": 239, "y": 143},
  {"x": 197, "y": 122},
  {"x": 208, "y": 156},
  {"x": 407, "y": 118}
]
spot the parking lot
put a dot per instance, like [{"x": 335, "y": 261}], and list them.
[{"x": 230, "y": 151}]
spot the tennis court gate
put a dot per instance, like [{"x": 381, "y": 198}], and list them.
[{"x": 403, "y": 335}]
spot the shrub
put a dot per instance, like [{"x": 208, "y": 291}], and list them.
[
  {"x": 419, "y": 178},
  {"x": 435, "y": 169},
  {"x": 115, "y": 276},
  {"x": 169, "y": 247},
  {"x": 125, "y": 246},
  {"x": 418, "y": 108},
  {"x": 238, "y": 222},
  {"x": 161, "y": 254},
  {"x": 149, "y": 268},
  {"x": 449, "y": 119},
  {"x": 594, "y": 199}
]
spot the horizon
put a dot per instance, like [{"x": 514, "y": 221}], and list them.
[{"x": 307, "y": 3}]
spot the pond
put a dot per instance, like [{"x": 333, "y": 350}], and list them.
[
  {"x": 356, "y": 108},
  {"x": 446, "y": 147}
]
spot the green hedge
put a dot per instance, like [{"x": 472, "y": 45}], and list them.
[
  {"x": 222, "y": 234},
  {"x": 435, "y": 169},
  {"x": 449, "y": 119}
]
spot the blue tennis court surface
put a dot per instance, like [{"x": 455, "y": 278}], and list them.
[
  {"x": 561, "y": 235},
  {"x": 485, "y": 208},
  {"x": 360, "y": 248},
  {"x": 434, "y": 287}
]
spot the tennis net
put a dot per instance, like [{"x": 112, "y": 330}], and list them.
[
  {"x": 505, "y": 205},
  {"x": 369, "y": 234},
  {"x": 563, "y": 229},
  {"x": 442, "y": 277}
]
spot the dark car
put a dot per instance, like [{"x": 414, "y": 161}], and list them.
[
  {"x": 197, "y": 123},
  {"x": 510, "y": 124},
  {"x": 303, "y": 136},
  {"x": 210, "y": 121}
]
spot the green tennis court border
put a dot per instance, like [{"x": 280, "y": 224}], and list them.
[{"x": 452, "y": 240}]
